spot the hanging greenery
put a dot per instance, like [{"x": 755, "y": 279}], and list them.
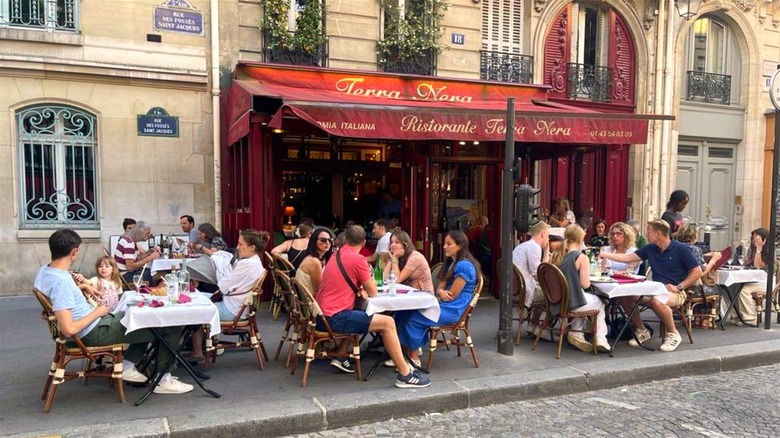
[
  {"x": 416, "y": 34},
  {"x": 308, "y": 36}
]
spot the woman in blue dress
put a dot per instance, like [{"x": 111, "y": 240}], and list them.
[{"x": 456, "y": 288}]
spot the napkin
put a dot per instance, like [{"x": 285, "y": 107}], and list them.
[
  {"x": 144, "y": 289},
  {"x": 622, "y": 278},
  {"x": 184, "y": 298},
  {"x": 156, "y": 303}
]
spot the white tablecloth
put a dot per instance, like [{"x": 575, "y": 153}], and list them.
[
  {"x": 162, "y": 264},
  {"x": 729, "y": 277},
  {"x": 648, "y": 288},
  {"x": 200, "y": 311},
  {"x": 426, "y": 303}
]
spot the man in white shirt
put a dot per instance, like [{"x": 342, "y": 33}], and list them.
[
  {"x": 527, "y": 257},
  {"x": 382, "y": 230}
]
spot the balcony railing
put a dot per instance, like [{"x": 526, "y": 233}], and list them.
[
  {"x": 40, "y": 14},
  {"x": 291, "y": 52},
  {"x": 506, "y": 67},
  {"x": 590, "y": 81},
  {"x": 709, "y": 87},
  {"x": 395, "y": 61}
]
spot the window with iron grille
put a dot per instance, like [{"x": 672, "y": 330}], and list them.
[
  {"x": 57, "y": 159},
  {"x": 60, "y": 15}
]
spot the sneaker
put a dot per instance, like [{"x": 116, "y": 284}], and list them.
[
  {"x": 671, "y": 342},
  {"x": 580, "y": 343},
  {"x": 171, "y": 385},
  {"x": 643, "y": 335},
  {"x": 412, "y": 380},
  {"x": 603, "y": 346},
  {"x": 388, "y": 363},
  {"x": 133, "y": 375},
  {"x": 343, "y": 365},
  {"x": 416, "y": 362}
]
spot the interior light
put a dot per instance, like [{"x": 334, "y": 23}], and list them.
[
  {"x": 278, "y": 131},
  {"x": 462, "y": 143},
  {"x": 476, "y": 143}
]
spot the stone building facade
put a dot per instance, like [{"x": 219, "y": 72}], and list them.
[
  {"x": 74, "y": 77},
  {"x": 90, "y": 68}
]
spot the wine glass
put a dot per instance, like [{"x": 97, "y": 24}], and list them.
[{"x": 137, "y": 281}]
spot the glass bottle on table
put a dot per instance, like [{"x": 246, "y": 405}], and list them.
[
  {"x": 391, "y": 283},
  {"x": 379, "y": 272},
  {"x": 184, "y": 278}
]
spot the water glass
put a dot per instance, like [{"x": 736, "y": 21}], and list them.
[{"x": 137, "y": 281}]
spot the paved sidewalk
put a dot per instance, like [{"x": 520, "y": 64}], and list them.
[{"x": 271, "y": 402}]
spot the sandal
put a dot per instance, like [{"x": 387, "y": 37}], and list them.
[{"x": 191, "y": 358}]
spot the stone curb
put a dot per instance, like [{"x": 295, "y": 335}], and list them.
[{"x": 341, "y": 410}]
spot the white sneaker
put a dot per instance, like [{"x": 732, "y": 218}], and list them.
[
  {"x": 603, "y": 346},
  {"x": 133, "y": 375},
  {"x": 671, "y": 342},
  {"x": 580, "y": 343},
  {"x": 171, "y": 385},
  {"x": 643, "y": 335}
]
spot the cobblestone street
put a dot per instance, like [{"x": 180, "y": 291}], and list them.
[{"x": 743, "y": 403}]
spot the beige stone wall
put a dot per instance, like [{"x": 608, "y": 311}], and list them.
[{"x": 110, "y": 70}]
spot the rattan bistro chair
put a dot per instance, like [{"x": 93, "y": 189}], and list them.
[
  {"x": 435, "y": 271},
  {"x": 457, "y": 334},
  {"x": 66, "y": 351},
  {"x": 311, "y": 338},
  {"x": 294, "y": 324},
  {"x": 280, "y": 264},
  {"x": 556, "y": 293},
  {"x": 245, "y": 328}
]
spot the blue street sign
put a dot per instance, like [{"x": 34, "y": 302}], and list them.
[{"x": 157, "y": 123}]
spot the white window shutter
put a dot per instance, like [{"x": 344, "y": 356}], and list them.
[{"x": 502, "y": 25}]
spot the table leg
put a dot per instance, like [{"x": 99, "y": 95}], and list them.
[
  {"x": 177, "y": 358},
  {"x": 381, "y": 359},
  {"x": 628, "y": 324},
  {"x": 732, "y": 304}
]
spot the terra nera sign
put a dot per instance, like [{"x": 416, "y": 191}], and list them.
[
  {"x": 157, "y": 123},
  {"x": 178, "y": 16}
]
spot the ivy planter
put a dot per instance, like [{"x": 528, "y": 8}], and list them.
[{"x": 392, "y": 59}]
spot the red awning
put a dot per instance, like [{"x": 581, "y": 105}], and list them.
[{"x": 370, "y": 105}]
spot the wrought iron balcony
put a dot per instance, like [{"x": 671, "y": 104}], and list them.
[
  {"x": 393, "y": 60},
  {"x": 709, "y": 87},
  {"x": 590, "y": 81},
  {"x": 41, "y": 14},
  {"x": 292, "y": 51},
  {"x": 506, "y": 67}
]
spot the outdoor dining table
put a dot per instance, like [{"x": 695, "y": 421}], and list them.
[
  {"x": 166, "y": 264},
  {"x": 613, "y": 289},
  {"x": 731, "y": 276},
  {"x": 405, "y": 299},
  {"x": 195, "y": 313}
]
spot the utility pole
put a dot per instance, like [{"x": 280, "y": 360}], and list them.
[{"x": 505, "y": 344}]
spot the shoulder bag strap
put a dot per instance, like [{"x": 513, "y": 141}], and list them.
[{"x": 344, "y": 273}]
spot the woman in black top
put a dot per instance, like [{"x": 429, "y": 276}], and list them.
[
  {"x": 296, "y": 248},
  {"x": 601, "y": 238},
  {"x": 677, "y": 203}
]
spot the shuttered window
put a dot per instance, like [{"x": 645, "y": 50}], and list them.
[{"x": 502, "y": 29}]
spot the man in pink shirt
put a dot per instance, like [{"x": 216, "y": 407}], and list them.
[{"x": 336, "y": 297}]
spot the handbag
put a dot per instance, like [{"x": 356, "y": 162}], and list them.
[
  {"x": 216, "y": 297},
  {"x": 360, "y": 302}
]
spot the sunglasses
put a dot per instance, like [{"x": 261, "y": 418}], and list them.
[
  {"x": 617, "y": 233},
  {"x": 324, "y": 240}
]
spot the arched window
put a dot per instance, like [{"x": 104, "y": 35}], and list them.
[
  {"x": 713, "y": 62},
  {"x": 57, "y": 156}
]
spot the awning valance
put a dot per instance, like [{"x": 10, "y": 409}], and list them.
[{"x": 370, "y": 105}]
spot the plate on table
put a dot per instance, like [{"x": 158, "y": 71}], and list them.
[
  {"x": 730, "y": 268},
  {"x": 601, "y": 280}
]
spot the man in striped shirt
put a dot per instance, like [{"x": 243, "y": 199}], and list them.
[{"x": 129, "y": 257}]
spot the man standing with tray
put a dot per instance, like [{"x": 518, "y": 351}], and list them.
[{"x": 674, "y": 265}]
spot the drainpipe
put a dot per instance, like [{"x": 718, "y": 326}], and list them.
[
  {"x": 668, "y": 93},
  {"x": 215, "y": 113},
  {"x": 653, "y": 159}
]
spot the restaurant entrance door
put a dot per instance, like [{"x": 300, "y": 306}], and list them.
[{"x": 457, "y": 193}]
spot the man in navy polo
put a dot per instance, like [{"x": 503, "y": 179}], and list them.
[{"x": 674, "y": 265}]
